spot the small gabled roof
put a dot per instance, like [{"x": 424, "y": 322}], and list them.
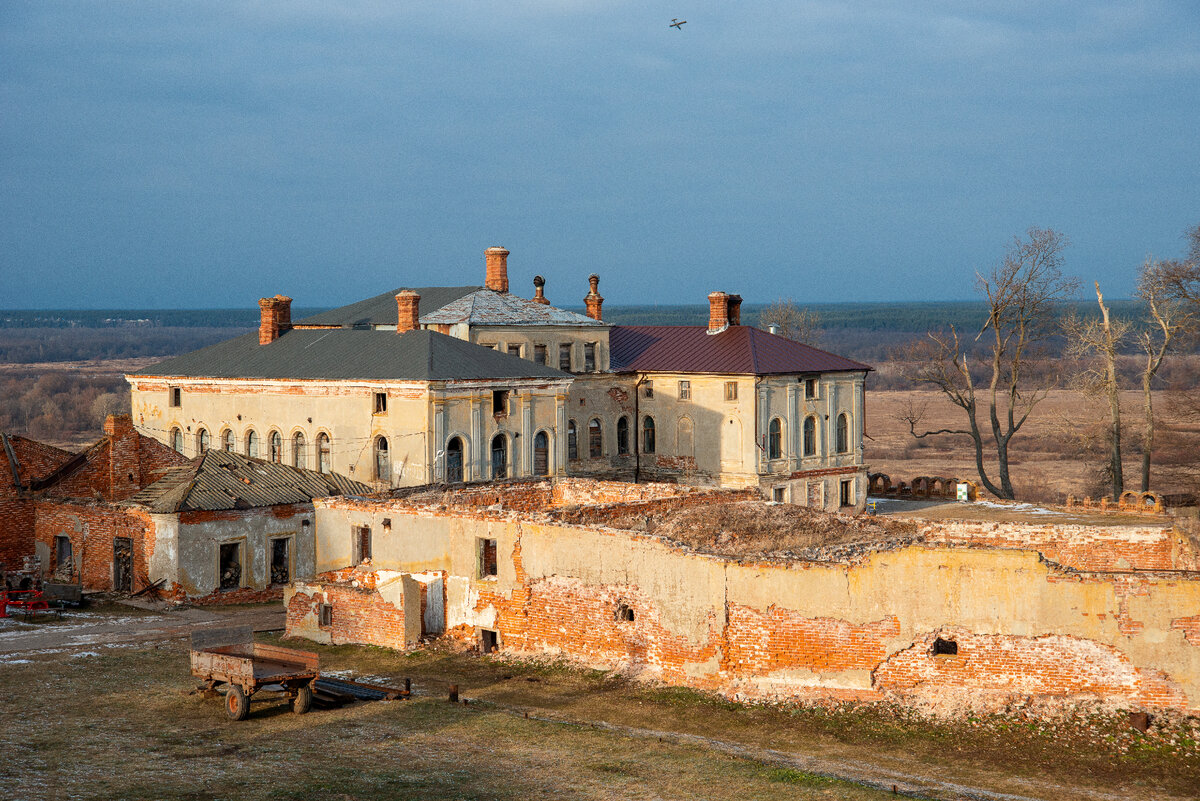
[
  {"x": 28, "y": 462},
  {"x": 739, "y": 349},
  {"x": 381, "y": 309},
  {"x": 348, "y": 354},
  {"x": 221, "y": 480},
  {"x": 486, "y": 307}
]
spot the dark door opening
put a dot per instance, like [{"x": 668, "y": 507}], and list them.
[
  {"x": 489, "y": 641},
  {"x": 280, "y": 562},
  {"x": 231, "y": 566},
  {"x": 123, "y": 564},
  {"x": 541, "y": 454},
  {"x": 64, "y": 559},
  {"x": 454, "y": 461}
]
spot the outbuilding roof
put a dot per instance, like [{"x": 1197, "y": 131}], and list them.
[
  {"x": 739, "y": 349},
  {"x": 350, "y": 353},
  {"x": 221, "y": 480}
]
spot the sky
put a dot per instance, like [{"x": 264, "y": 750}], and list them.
[{"x": 182, "y": 154}]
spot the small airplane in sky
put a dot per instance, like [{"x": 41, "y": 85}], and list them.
[{"x": 678, "y": 23}]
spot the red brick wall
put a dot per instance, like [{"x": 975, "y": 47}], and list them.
[
  {"x": 92, "y": 529},
  {"x": 35, "y": 461},
  {"x": 360, "y": 615},
  {"x": 16, "y": 532}
]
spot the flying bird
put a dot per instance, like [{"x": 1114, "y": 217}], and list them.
[{"x": 678, "y": 23}]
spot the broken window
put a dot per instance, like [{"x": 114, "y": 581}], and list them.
[
  {"x": 323, "y": 453},
  {"x": 281, "y": 564},
  {"x": 539, "y": 354},
  {"x": 541, "y": 454},
  {"x": 624, "y": 613},
  {"x": 945, "y": 647},
  {"x": 176, "y": 396},
  {"x": 202, "y": 440},
  {"x": 489, "y": 641},
  {"x": 177, "y": 439},
  {"x": 685, "y": 390},
  {"x": 730, "y": 390},
  {"x": 383, "y": 463},
  {"x": 648, "y": 389},
  {"x": 276, "y": 447},
  {"x": 564, "y": 357},
  {"x": 298, "y": 456},
  {"x": 810, "y": 388},
  {"x": 843, "y": 433},
  {"x": 252, "y": 444},
  {"x": 775, "y": 439},
  {"x": 500, "y": 403},
  {"x": 230, "y": 559},
  {"x": 648, "y": 434},
  {"x": 325, "y": 615},
  {"x": 454, "y": 460},
  {"x": 499, "y": 457},
  {"x": 486, "y": 557},
  {"x": 362, "y": 544},
  {"x": 380, "y": 403},
  {"x": 572, "y": 440},
  {"x": 514, "y": 350},
  {"x": 595, "y": 439},
  {"x": 810, "y": 436},
  {"x": 589, "y": 357}
]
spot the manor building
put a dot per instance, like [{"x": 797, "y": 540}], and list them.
[{"x": 475, "y": 383}]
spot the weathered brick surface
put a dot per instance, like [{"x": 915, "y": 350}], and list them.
[
  {"x": 765, "y": 641},
  {"x": 92, "y": 528},
  {"x": 359, "y": 614}
]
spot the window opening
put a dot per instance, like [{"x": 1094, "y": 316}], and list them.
[
  {"x": 541, "y": 454},
  {"x": 847, "y": 492},
  {"x": 176, "y": 396},
  {"x": 648, "y": 434},
  {"x": 202, "y": 440},
  {"x": 230, "y": 556},
  {"x": 323, "y": 453},
  {"x": 685, "y": 390},
  {"x": 810, "y": 436},
  {"x": 454, "y": 460},
  {"x": 775, "y": 439},
  {"x": 730, "y": 390},
  {"x": 647, "y": 389},
  {"x": 572, "y": 440},
  {"x": 589, "y": 357},
  {"x": 64, "y": 560},
  {"x": 539, "y": 354},
  {"x": 514, "y": 350},
  {"x": 227, "y": 441},
  {"x": 564, "y": 358},
  {"x": 595, "y": 439},
  {"x": 810, "y": 388},
  {"x": 777, "y": 494},
  {"x": 252, "y": 444},
  {"x": 945, "y": 647},
  {"x": 326, "y": 618},
  {"x": 843, "y": 433},
  {"x": 499, "y": 457},
  {"x": 280, "y": 561},
  {"x": 489, "y": 641},
  {"x": 624, "y": 613},
  {"x": 298, "y": 455},
  {"x": 276, "y": 447},
  {"x": 383, "y": 462},
  {"x": 177, "y": 439},
  {"x": 362, "y": 544},
  {"x": 622, "y": 436},
  {"x": 486, "y": 557},
  {"x": 500, "y": 403},
  {"x": 380, "y": 403}
]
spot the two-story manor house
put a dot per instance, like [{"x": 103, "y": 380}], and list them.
[{"x": 452, "y": 384}]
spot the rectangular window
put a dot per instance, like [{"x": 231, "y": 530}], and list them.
[
  {"x": 380, "y": 403},
  {"x": 589, "y": 357},
  {"x": 489, "y": 345},
  {"x": 485, "y": 551},
  {"x": 281, "y": 563},
  {"x": 514, "y": 350},
  {"x": 810, "y": 388},
  {"x": 326, "y": 618},
  {"x": 685, "y": 390},
  {"x": 730, "y": 390},
  {"x": 777, "y": 494},
  {"x": 564, "y": 358},
  {"x": 176, "y": 396},
  {"x": 362, "y": 544},
  {"x": 648, "y": 389},
  {"x": 500, "y": 403},
  {"x": 539, "y": 354}
]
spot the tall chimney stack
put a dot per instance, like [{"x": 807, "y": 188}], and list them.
[
  {"x": 497, "y": 269},
  {"x": 408, "y": 311},
  {"x": 275, "y": 317},
  {"x": 539, "y": 290},
  {"x": 593, "y": 300},
  {"x": 718, "y": 312}
]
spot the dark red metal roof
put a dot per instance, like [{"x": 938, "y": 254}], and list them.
[{"x": 739, "y": 349}]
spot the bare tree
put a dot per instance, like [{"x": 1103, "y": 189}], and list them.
[
  {"x": 1102, "y": 337},
  {"x": 1170, "y": 318},
  {"x": 793, "y": 322},
  {"x": 1022, "y": 294}
]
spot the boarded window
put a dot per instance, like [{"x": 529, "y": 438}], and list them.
[
  {"x": 486, "y": 557},
  {"x": 778, "y": 494},
  {"x": 564, "y": 358},
  {"x": 595, "y": 439},
  {"x": 810, "y": 388},
  {"x": 326, "y": 615},
  {"x": 230, "y": 556},
  {"x": 281, "y": 565},
  {"x": 539, "y": 354},
  {"x": 176, "y": 396},
  {"x": 514, "y": 350}
]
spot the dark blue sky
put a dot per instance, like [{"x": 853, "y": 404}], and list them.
[{"x": 206, "y": 154}]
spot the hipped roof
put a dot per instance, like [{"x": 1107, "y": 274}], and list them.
[{"x": 739, "y": 349}]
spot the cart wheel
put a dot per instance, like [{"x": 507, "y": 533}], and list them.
[
  {"x": 237, "y": 705},
  {"x": 303, "y": 700}
]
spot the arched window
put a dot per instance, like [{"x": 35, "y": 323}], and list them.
[
  {"x": 227, "y": 440},
  {"x": 775, "y": 439},
  {"x": 810, "y": 436},
  {"x": 383, "y": 464},
  {"x": 276, "y": 447},
  {"x": 648, "y": 434},
  {"x": 323, "y": 452},
  {"x": 252, "y": 444},
  {"x": 572, "y": 440},
  {"x": 622, "y": 436},
  {"x": 499, "y": 457},
  {"x": 541, "y": 454},
  {"x": 454, "y": 460},
  {"x": 177, "y": 439},
  {"x": 595, "y": 439},
  {"x": 299, "y": 457},
  {"x": 843, "y": 433},
  {"x": 202, "y": 440}
]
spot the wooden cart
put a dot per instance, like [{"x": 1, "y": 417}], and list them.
[{"x": 230, "y": 657}]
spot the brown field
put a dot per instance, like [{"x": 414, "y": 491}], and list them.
[{"x": 1058, "y": 452}]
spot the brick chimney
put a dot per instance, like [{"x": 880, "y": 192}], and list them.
[
  {"x": 408, "y": 311},
  {"x": 276, "y": 317},
  {"x": 497, "y": 269},
  {"x": 539, "y": 287},
  {"x": 593, "y": 300},
  {"x": 735, "y": 310},
  {"x": 117, "y": 426},
  {"x": 718, "y": 312}
]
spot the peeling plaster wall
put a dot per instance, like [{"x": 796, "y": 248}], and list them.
[{"x": 197, "y": 537}]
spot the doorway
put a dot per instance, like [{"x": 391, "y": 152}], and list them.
[
  {"x": 123, "y": 564},
  {"x": 454, "y": 461}
]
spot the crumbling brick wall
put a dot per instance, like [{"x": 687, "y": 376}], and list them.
[
  {"x": 92, "y": 529},
  {"x": 357, "y": 615}
]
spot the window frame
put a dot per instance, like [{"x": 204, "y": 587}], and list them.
[
  {"x": 566, "y": 358},
  {"x": 623, "y": 435},
  {"x": 731, "y": 390},
  {"x": 685, "y": 389},
  {"x": 380, "y": 403},
  {"x": 595, "y": 439},
  {"x": 775, "y": 438},
  {"x": 648, "y": 435},
  {"x": 809, "y": 436}
]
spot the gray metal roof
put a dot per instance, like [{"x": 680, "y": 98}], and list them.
[
  {"x": 348, "y": 354},
  {"x": 381, "y": 309},
  {"x": 221, "y": 480},
  {"x": 486, "y": 307}
]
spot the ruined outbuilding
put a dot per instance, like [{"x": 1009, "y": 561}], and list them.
[{"x": 710, "y": 589}]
